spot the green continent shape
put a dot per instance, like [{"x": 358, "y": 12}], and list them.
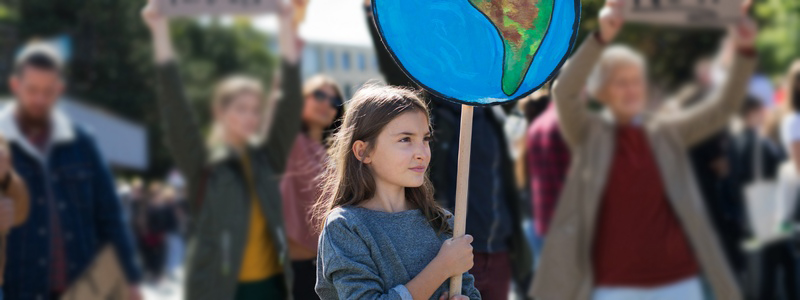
[{"x": 522, "y": 25}]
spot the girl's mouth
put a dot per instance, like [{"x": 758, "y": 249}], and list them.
[{"x": 418, "y": 169}]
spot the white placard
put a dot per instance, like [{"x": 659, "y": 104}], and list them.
[
  {"x": 687, "y": 13},
  {"x": 216, "y": 7}
]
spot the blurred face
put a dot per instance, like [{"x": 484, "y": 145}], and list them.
[
  {"x": 624, "y": 92},
  {"x": 755, "y": 118},
  {"x": 241, "y": 118},
  {"x": 401, "y": 152},
  {"x": 36, "y": 91},
  {"x": 702, "y": 72},
  {"x": 319, "y": 110}
]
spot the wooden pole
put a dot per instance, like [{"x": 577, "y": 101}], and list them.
[{"x": 462, "y": 182}]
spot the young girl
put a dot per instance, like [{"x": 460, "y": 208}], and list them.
[
  {"x": 321, "y": 115},
  {"x": 383, "y": 236},
  {"x": 237, "y": 248}
]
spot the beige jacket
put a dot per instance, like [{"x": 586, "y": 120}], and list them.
[{"x": 565, "y": 272}]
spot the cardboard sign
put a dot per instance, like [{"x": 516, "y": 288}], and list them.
[
  {"x": 103, "y": 280},
  {"x": 216, "y": 7},
  {"x": 688, "y": 13}
]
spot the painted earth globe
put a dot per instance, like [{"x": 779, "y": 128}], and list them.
[{"x": 478, "y": 52}]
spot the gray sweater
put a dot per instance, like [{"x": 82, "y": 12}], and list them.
[{"x": 367, "y": 254}]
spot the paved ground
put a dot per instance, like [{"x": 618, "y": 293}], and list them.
[{"x": 167, "y": 289}]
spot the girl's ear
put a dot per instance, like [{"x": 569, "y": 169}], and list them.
[{"x": 360, "y": 151}]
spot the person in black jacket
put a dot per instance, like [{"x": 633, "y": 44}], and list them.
[{"x": 495, "y": 212}]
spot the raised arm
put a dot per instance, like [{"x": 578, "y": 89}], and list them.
[
  {"x": 574, "y": 120},
  {"x": 181, "y": 130},
  {"x": 573, "y": 117},
  {"x": 712, "y": 113},
  {"x": 282, "y": 122}
]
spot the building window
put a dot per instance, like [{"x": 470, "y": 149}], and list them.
[
  {"x": 345, "y": 60},
  {"x": 362, "y": 62},
  {"x": 330, "y": 60},
  {"x": 320, "y": 61},
  {"x": 348, "y": 91},
  {"x": 311, "y": 63}
]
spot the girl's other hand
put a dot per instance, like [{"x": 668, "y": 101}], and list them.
[{"x": 455, "y": 256}]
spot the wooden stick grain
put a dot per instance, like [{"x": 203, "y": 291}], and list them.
[{"x": 462, "y": 182}]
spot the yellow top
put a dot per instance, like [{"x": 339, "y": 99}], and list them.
[{"x": 260, "y": 256}]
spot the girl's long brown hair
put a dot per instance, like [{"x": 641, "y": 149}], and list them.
[{"x": 346, "y": 180}]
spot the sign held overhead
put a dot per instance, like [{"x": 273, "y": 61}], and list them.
[
  {"x": 216, "y": 7},
  {"x": 685, "y": 13}
]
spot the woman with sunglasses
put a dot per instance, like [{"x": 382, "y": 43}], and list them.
[{"x": 322, "y": 112}]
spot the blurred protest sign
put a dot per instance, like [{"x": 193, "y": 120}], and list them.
[
  {"x": 689, "y": 13},
  {"x": 216, "y": 7},
  {"x": 102, "y": 280}
]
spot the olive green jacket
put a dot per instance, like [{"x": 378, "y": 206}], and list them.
[{"x": 218, "y": 194}]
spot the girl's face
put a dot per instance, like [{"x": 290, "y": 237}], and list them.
[
  {"x": 241, "y": 117},
  {"x": 320, "y": 107},
  {"x": 402, "y": 151}
]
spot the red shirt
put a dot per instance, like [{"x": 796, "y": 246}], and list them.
[{"x": 639, "y": 241}]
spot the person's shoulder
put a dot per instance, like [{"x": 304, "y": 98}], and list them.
[
  {"x": 83, "y": 136},
  {"x": 343, "y": 217}
]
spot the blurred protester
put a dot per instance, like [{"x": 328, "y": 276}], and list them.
[
  {"x": 630, "y": 223},
  {"x": 76, "y": 210},
  {"x": 237, "y": 244},
  {"x": 753, "y": 115},
  {"x": 160, "y": 219},
  {"x": 548, "y": 162},
  {"x": 14, "y": 203},
  {"x": 761, "y": 88},
  {"x": 324, "y": 106},
  {"x": 757, "y": 159},
  {"x": 536, "y": 104},
  {"x": 496, "y": 214},
  {"x": 779, "y": 259},
  {"x": 710, "y": 160}
]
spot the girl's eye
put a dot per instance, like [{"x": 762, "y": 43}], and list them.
[
  {"x": 405, "y": 140},
  {"x": 428, "y": 138}
]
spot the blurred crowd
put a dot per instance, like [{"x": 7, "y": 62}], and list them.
[{"x": 589, "y": 188}]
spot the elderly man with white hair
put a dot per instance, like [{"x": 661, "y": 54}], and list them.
[{"x": 630, "y": 223}]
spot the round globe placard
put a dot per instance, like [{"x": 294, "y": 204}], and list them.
[{"x": 478, "y": 52}]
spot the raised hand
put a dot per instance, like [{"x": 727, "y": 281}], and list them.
[
  {"x": 610, "y": 20},
  {"x": 152, "y": 17},
  {"x": 159, "y": 29},
  {"x": 744, "y": 33}
]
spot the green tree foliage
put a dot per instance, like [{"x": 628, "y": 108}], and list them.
[
  {"x": 112, "y": 65},
  {"x": 779, "y": 40}
]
